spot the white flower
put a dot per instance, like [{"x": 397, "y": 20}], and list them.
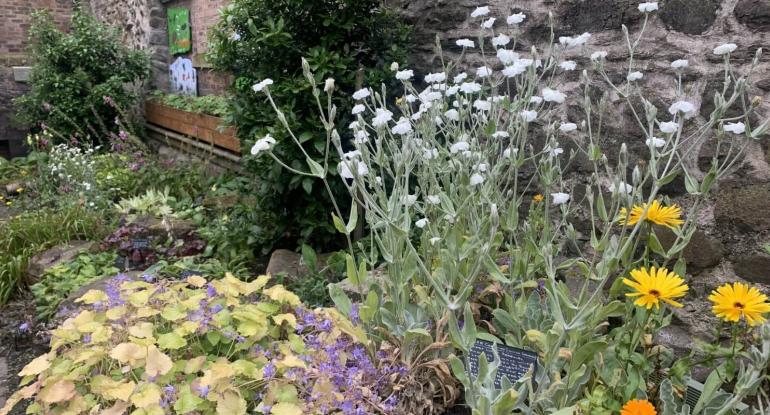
[
  {"x": 598, "y": 55},
  {"x": 260, "y": 86},
  {"x": 483, "y": 72},
  {"x": 725, "y": 49},
  {"x": 480, "y": 11},
  {"x": 476, "y": 179},
  {"x": 507, "y": 57},
  {"x": 735, "y": 127},
  {"x": 500, "y": 134},
  {"x": 507, "y": 153},
  {"x": 346, "y": 166},
  {"x": 567, "y": 127},
  {"x": 358, "y": 108},
  {"x": 262, "y": 144},
  {"x": 361, "y": 137},
  {"x": 536, "y": 99},
  {"x": 568, "y": 65},
  {"x": 466, "y": 43},
  {"x": 648, "y": 7},
  {"x": 329, "y": 85},
  {"x": 669, "y": 127},
  {"x": 621, "y": 187},
  {"x": 361, "y": 94},
  {"x": 452, "y": 115},
  {"x": 482, "y": 167},
  {"x": 354, "y": 125},
  {"x": 459, "y": 146},
  {"x": 417, "y": 115},
  {"x": 433, "y": 200},
  {"x": 409, "y": 200},
  {"x": 514, "y": 70},
  {"x": 655, "y": 142},
  {"x": 482, "y": 105},
  {"x": 559, "y": 198},
  {"x": 516, "y": 18},
  {"x": 410, "y": 98},
  {"x": 430, "y": 154},
  {"x": 571, "y": 42},
  {"x": 235, "y": 37},
  {"x": 434, "y": 240},
  {"x": 434, "y": 78},
  {"x": 350, "y": 155},
  {"x": 634, "y": 76},
  {"x": 681, "y": 106},
  {"x": 394, "y": 66},
  {"x": 382, "y": 117},
  {"x": 529, "y": 116},
  {"x": 421, "y": 223},
  {"x": 470, "y": 87},
  {"x": 553, "y": 152},
  {"x": 438, "y": 120},
  {"x": 403, "y": 127},
  {"x": 487, "y": 24},
  {"x": 460, "y": 77},
  {"x": 500, "y": 40},
  {"x": 552, "y": 95},
  {"x": 404, "y": 75},
  {"x": 451, "y": 90},
  {"x": 680, "y": 63}
]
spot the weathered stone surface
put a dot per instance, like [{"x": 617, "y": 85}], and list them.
[
  {"x": 177, "y": 228},
  {"x": 754, "y": 268},
  {"x": 577, "y": 16},
  {"x": 44, "y": 261},
  {"x": 290, "y": 263},
  {"x": 703, "y": 251},
  {"x": 692, "y": 17},
  {"x": 744, "y": 207},
  {"x": 755, "y": 14}
]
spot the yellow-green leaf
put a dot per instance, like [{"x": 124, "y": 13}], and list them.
[
  {"x": 60, "y": 391},
  {"x": 36, "y": 366},
  {"x": 92, "y": 297},
  {"x": 231, "y": 404},
  {"x": 157, "y": 362},
  {"x": 128, "y": 352},
  {"x": 147, "y": 395},
  {"x": 171, "y": 341},
  {"x": 289, "y": 318},
  {"x": 286, "y": 408},
  {"x": 282, "y": 295}
]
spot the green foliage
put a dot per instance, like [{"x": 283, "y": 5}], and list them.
[
  {"x": 62, "y": 280},
  {"x": 29, "y": 233},
  {"x": 338, "y": 38},
  {"x": 311, "y": 286},
  {"x": 214, "y": 105},
  {"x": 72, "y": 74},
  {"x": 153, "y": 202}
]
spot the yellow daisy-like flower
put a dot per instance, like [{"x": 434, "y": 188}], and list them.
[
  {"x": 538, "y": 198},
  {"x": 668, "y": 216},
  {"x": 638, "y": 407},
  {"x": 731, "y": 302},
  {"x": 655, "y": 285}
]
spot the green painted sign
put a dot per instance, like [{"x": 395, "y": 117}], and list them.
[{"x": 179, "y": 40}]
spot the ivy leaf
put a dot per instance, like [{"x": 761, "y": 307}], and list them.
[
  {"x": 171, "y": 341},
  {"x": 148, "y": 395},
  {"x": 231, "y": 404},
  {"x": 157, "y": 362},
  {"x": 286, "y": 408}
]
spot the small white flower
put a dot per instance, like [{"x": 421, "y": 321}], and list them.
[
  {"x": 483, "y": 72},
  {"x": 430, "y": 154},
  {"x": 669, "y": 127},
  {"x": 470, "y": 87},
  {"x": 466, "y": 43},
  {"x": 501, "y": 134},
  {"x": 421, "y": 223},
  {"x": 460, "y": 77},
  {"x": 500, "y": 40},
  {"x": 516, "y": 69},
  {"x": 417, "y": 115},
  {"x": 394, "y": 66},
  {"x": 681, "y": 106},
  {"x": 410, "y": 98},
  {"x": 506, "y": 56},
  {"x": 434, "y": 240},
  {"x": 382, "y": 117},
  {"x": 482, "y": 105},
  {"x": 554, "y": 152},
  {"x": 346, "y": 166},
  {"x": 621, "y": 187},
  {"x": 329, "y": 85},
  {"x": 350, "y": 155},
  {"x": 571, "y": 42},
  {"x": 529, "y": 116},
  {"x": 403, "y": 127},
  {"x": 409, "y": 200},
  {"x": 567, "y": 127},
  {"x": 361, "y": 94},
  {"x": 552, "y": 95},
  {"x": 482, "y": 167},
  {"x": 459, "y": 146},
  {"x": 480, "y": 11},
  {"x": 361, "y": 137},
  {"x": 507, "y": 152},
  {"x": 568, "y": 65},
  {"x": 262, "y": 144},
  {"x": 680, "y": 63},
  {"x": 476, "y": 179},
  {"x": 735, "y": 127},
  {"x": 354, "y": 125},
  {"x": 655, "y": 142},
  {"x": 634, "y": 76},
  {"x": 452, "y": 115},
  {"x": 261, "y": 85},
  {"x": 358, "y": 108},
  {"x": 438, "y": 120},
  {"x": 559, "y": 198},
  {"x": 516, "y": 18},
  {"x": 725, "y": 49},
  {"x": 404, "y": 75},
  {"x": 487, "y": 24},
  {"x": 434, "y": 78},
  {"x": 452, "y": 90},
  {"x": 433, "y": 200},
  {"x": 598, "y": 55},
  {"x": 235, "y": 37},
  {"x": 648, "y": 7},
  {"x": 536, "y": 99}
]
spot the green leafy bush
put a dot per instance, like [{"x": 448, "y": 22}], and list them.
[
  {"x": 79, "y": 77},
  {"x": 62, "y": 280},
  {"x": 257, "y": 39}
]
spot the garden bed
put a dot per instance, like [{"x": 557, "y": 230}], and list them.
[{"x": 201, "y": 127}]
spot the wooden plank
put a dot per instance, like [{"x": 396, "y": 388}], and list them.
[{"x": 202, "y": 127}]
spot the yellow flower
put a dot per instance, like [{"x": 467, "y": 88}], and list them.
[
  {"x": 538, "y": 198},
  {"x": 19, "y": 190},
  {"x": 638, "y": 407},
  {"x": 731, "y": 302},
  {"x": 655, "y": 285},
  {"x": 668, "y": 216},
  {"x": 8, "y": 203},
  {"x": 399, "y": 100}
]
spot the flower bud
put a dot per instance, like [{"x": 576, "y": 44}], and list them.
[
  {"x": 394, "y": 66},
  {"x": 329, "y": 85},
  {"x": 756, "y": 101},
  {"x": 636, "y": 176}
]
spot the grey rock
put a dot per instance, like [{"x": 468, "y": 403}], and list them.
[
  {"x": 577, "y": 16},
  {"x": 156, "y": 227},
  {"x": 744, "y": 208},
  {"x": 692, "y": 17},
  {"x": 57, "y": 255},
  {"x": 755, "y": 14},
  {"x": 754, "y": 268},
  {"x": 291, "y": 264},
  {"x": 703, "y": 251}
]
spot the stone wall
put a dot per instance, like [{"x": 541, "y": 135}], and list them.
[
  {"x": 734, "y": 224},
  {"x": 14, "y": 27}
]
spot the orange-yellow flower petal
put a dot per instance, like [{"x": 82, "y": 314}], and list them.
[
  {"x": 668, "y": 216},
  {"x": 638, "y": 407},
  {"x": 655, "y": 285},
  {"x": 733, "y": 301}
]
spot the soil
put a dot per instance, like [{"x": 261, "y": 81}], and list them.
[{"x": 17, "y": 347}]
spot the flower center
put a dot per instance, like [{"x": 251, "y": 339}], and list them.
[
  {"x": 655, "y": 293},
  {"x": 739, "y": 306}
]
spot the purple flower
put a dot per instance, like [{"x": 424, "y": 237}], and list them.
[
  {"x": 354, "y": 316},
  {"x": 216, "y": 308},
  {"x": 123, "y": 135},
  {"x": 211, "y": 292},
  {"x": 24, "y": 327},
  {"x": 269, "y": 370},
  {"x": 87, "y": 338},
  {"x": 148, "y": 278},
  {"x": 203, "y": 391},
  {"x": 107, "y": 100}
]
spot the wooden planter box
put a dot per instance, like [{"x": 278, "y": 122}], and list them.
[{"x": 200, "y": 127}]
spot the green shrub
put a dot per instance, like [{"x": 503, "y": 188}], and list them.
[
  {"x": 257, "y": 39},
  {"x": 79, "y": 77},
  {"x": 62, "y": 280}
]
